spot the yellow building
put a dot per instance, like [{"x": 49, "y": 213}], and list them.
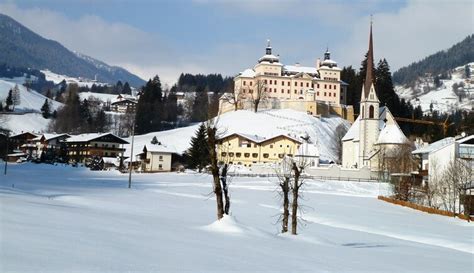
[{"x": 243, "y": 149}]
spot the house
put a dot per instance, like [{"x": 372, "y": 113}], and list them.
[
  {"x": 375, "y": 133},
  {"x": 437, "y": 156},
  {"x": 124, "y": 105},
  {"x": 81, "y": 147},
  {"x": 245, "y": 149},
  {"x": 156, "y": 158},
  {"x": 17, "y": 141},
  {"x": 308, "y": 153}
]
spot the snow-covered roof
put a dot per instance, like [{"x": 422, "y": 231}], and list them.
[
  {"x": 391, "y": 134},
  {"x": 156, "y": 148},
  {"x": 92, "y": 136},
  {"x": 298, "y": 69},
  {"x": 465, "y": 139},
  {"x": 250, "y": 73},
  {"x": 269, "y": 58},
  {"x": 434, "y": 146},
  {"x": 48, "y": 137},
  {"x": 308, "y": 150},
  {"x": 260, "y": 139},
  {"x": 353, "y": 132}
]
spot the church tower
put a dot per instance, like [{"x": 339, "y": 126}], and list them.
[{"x": 369, "y": 111}]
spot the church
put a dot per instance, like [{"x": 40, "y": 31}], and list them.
[{"x": 374, "y": 130}]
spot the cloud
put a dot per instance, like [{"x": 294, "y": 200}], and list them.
[
  {"x": 419, "y": 29},
  {"x": 112, "y": 42}
]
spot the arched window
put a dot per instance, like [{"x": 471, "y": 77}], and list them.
[
  {"x": 371, "y": 111},
  {"x": 363, "y": 111}
]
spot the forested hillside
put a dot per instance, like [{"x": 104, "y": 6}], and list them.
[{"x": 438, "y": 63}]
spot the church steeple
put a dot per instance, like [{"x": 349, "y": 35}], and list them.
[{"x": 369, "y": 77}]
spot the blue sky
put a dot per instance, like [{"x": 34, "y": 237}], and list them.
[{"x": 207, "y": 36}]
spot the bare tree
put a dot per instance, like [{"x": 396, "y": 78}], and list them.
[
  {"x": 16, "y": 96},
  {"x": 455, "y": 177},
  {"x": 284, "y": 175},
  {"x": 258, "y": 94},
  {"x": 233, "y": 97},
  {"x": 219, "y": 176},
  {"x": 339, "y": 133}
]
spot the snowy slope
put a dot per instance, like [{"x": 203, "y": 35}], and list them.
[
  {"x": 57, "y": 78},
  {"x": 30, "y": 100},
  {"x": 65, "y": 219},
  {"x": 443, "y": 98},
  {"x": 27, "y": 115},
  {"x": 264, "y": 123}
]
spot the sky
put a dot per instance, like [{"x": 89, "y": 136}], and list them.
[{"x": 165, "y": 37}]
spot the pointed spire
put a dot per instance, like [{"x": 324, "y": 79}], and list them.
[{"x": 369, "y": 78}]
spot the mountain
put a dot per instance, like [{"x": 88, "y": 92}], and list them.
[
  {"x": 441, "y": 62},
  {"x": 21, "y": 47},
  {"x": 442, "y": 81}
]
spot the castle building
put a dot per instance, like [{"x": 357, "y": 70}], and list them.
[
  {"x": 374, "y": 130},
  {"x": 292, "y": 86}
]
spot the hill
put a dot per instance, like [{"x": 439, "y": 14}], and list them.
[
  {"x": 21, "y": 47},
  {"x": 264, "y": 123},
  {"x": 438, "y": 63},
  {"x": 27, "y": 115}
]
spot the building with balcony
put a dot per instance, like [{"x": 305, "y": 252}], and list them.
[{"x": 81, "y": 147}]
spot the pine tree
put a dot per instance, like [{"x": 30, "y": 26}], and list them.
[
  {"x": 45, "y": 109},
  {"x": 154, "y": 141},
  {"x": 199, "y": 152},
  {"x": 9, "y": 101},
  {"x": 200, "y": 105},
  {"x": 126, "y": 89},
  {"x": 384, "y": 87},
  {"x": 1, "y": 106},
  {"x": 150, "y": 107},
  {"x": 100, "y": 122},
  {"x": 16, "y": 96}
]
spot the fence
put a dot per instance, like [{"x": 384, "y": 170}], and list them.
[
  {"x": 305, "y": 176},
  {"x": 425, "y": 209}
]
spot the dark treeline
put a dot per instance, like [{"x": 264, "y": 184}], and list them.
[
  {"x": 35, "y": 79},
  {"x": 211, "y": 83},
  {"x": 438, "y": 63},
  {"x": 118, "y": 88},
  {"x": 458, "y": 121}
]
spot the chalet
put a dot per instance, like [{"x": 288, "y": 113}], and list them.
[
  {"x": 244, "y": 149},
  {"x": 17, "y": 141},
  {"x": 156, "y": 158},
  {"x": 124, "y": 105},
  {"x": 85, "y": 146}
]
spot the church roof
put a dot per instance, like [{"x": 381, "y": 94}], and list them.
[
  {"x": 391, "y": 134},
  {"x": 353, "y": 132}
]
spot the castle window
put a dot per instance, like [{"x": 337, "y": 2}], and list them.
[
  {"x": 265, "y": 81},
  {"x": 282, "y": 83},
  {"x": 251, "y": 83},
  {"x": 271, "y": 81},
  {"x": 307, "y": 84},
  {"x": 254, "y": 155},
  {"x": 318, "y": 85},
  {"x": 334, "y": 94},
  {"x": 289, "y": 84},
  {"x": 325, "y": 94},
  {"x": 296, "y": 84},
  {"x": 295, "y": 92},
  {"x": 371, "y": 111},
  {"x": 245, "y": 82},
  {"x": 325, "y": 86},
  {"x": 317, "y": 93},
  {"x": 238, "y": 154},
  {"x": 301, "y": 84},
  {"x": 247, "y": 154},
  {"x": 288, "y": 91},
  {"x": 282, "y": 91},
  {"x": 266, "y": 155},
  {"x": 334, "y": 86}
]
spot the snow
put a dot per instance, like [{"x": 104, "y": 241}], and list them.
[
  {"x": 442, "y": 98},
  {"x": 301, "y": 69},
  {"x": 20, "y": 123},
  {"x": 87, "y": 137},
  {"x": 391, "y": 134},
  {"x": 30, "y": 100},
  {"x": 353, "y": 132},
  {"x": 66, "y": 219},
  {"x": 434, "y": 146},
  {"x": 249, "y": 73},
  {"x": 57, "y": 78},
  {"x": 263, "y": 123}
]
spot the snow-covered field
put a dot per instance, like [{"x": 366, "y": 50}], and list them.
[
  {"x": 263, "y": 123},
  {"x": 65, "y": 219}
]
